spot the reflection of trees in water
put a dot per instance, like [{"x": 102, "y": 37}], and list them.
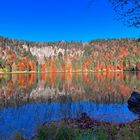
[
  {"x": 2, "y": 81},
  {"x": 97, "y": 87},
  {"x": 88, "y": 90},
  {"x": 13, "y": 90},
  {"x": 65, "y": 99}
]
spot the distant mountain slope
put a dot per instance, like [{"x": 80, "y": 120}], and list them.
[{"x": 96, "y": 55}]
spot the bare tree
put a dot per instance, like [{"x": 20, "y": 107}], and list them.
[{"x": 127, "y": 10}]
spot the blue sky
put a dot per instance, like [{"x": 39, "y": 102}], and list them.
[{"x": 52, "y": 20}]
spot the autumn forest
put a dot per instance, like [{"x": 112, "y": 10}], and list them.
[{"x": 102, "y": 55}]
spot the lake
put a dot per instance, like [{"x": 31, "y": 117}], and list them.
[{"x": 27, "y": 100}]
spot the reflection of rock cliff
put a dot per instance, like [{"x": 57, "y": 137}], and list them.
[{"x": 97, "y": 55}]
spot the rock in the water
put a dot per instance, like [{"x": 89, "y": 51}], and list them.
[
  {"x": 134, "y": 109},
  {"x": 134, "y": 99},
  {"x": 134, "y": 102}
]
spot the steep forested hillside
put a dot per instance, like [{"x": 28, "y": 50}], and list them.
[{"x": 96, "y": 55}]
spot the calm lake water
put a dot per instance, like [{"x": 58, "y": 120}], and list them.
[{"x": 27, "y": 100}]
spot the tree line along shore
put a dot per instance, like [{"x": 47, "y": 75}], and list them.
[{"x": 102, "y": 55}]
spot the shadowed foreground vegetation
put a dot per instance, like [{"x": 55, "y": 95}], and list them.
[{"x": 70, "y": 130}]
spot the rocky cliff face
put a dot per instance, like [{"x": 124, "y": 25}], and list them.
[
  {"x": 97, "y": 55},
  {"x": 47, "y": 52}
]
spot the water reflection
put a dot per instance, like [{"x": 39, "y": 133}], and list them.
[
  {"x": 29, "y": 99},
  {"x": 98, "y": 87}
]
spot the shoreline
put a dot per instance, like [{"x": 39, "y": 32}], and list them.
[{"x": 79, "y": 71}]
